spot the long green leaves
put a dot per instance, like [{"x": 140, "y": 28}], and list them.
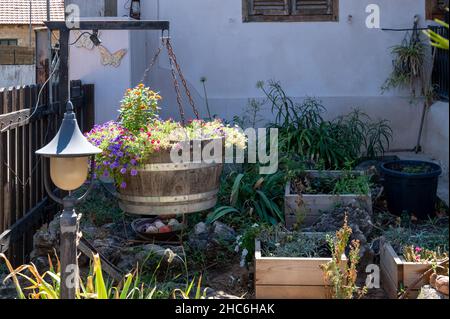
[
  {"x": 252, "y": 193},
  {"x": 304, "y": 132},
  {"x": 220, "y": 212}
]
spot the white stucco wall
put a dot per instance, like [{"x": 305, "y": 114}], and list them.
[
  {"x": 13, "y": 75},
  {"x": 436, "y": 134},
  {"x": 110, "y": 82},
  {"x": 342, "y": 63}
]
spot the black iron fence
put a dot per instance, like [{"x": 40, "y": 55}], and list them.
[{"x": 440, "y": 67}]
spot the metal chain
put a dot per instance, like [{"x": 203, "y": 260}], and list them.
[
  {"x": 180, "y": 74},
  {"x": 152, "y": 63},
  {"x": 177, "y": 90}
]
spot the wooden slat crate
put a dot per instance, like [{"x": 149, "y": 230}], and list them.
[
  {"x": 289, "y": 277},
  {"x": 396, "y": 273},
  {"x": 308, "y": 208}
]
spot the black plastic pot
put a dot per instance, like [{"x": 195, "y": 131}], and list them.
[{"x": 411, "y": 192}]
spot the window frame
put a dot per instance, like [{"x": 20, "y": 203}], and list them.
[
  {"x": 8, "y": 42},
  {"x": 291, "y": 17}
]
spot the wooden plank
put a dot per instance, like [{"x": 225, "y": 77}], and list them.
[
  {"x": 3, "y": 157},
  {"x": 12, "y": 159},
  {"x": 397, "y": 273},
  {"x": 388, "y": 284},
  {"x": 33, "y": 156},
  {"x": 20, "y": 105},
  {"x": 86, "y": 248},
  {"x": 412, "y": 271},
  {"x": 28, "y": 236},
  {"x": 390, "y": 265},
  {"x": 89, "y": 111},
  {"x": 290, "y": 271},
  {"x": 290, "y": 292}
]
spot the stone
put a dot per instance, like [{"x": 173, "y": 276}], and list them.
[
  {"x": 106, "y": 246},
  {"x": 428, "y": 292},
  {"x": 201, "y": 229},
  {"x": 89, "y": 232},
  {"x": 358, "y": 219},
  {"x": 199, "y": 237},
  {"x": 46, "y": 239},
  {"x": 222, "y": 233},
  {"x": 130, "y": 257},
  {"x": 440, "y": 283},
  {"x": 7, "y": 289},
  {"x": 208, "y": 237}
]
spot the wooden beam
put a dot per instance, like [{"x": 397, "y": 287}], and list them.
[
  {"x": 105, "y": 23},
  {"x": 86, "y": 248}
]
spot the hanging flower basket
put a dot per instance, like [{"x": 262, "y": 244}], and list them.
[{"x": 162, "y": 167}]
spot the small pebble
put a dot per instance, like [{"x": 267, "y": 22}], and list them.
[
  {"x": 151, "y": 229},
  {"x": 158, "y": 224}
]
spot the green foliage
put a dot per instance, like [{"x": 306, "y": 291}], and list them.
[
  {"x": 133, "y": 286},
  {"x": 251, "y": 116},
  {"x": 430, "y": 235},
  {"x": 352, "y": 184},
  {"x": 255, "y": 197},
  {"x": 413, "y": 253},
  {"x": 252, "y": 194},
  {"x": 408, "y": 67},
  {"x": 186, "y": 293},
  {"x": 348, "y": 183},
  {"x": 100, "y": 207},
  {"x": 341, "y": 275},
  {"x": 304, "y": 132},
  {"x": 279, "y": 242},
  {"x": 246, "y": 242},
  {"x": 139, "y": 107},
  {"x": 47, "y": 285}
]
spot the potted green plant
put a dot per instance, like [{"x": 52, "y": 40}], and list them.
[
  {"x": 138, "y": 153},
  {"x": 411, "y": 187}
]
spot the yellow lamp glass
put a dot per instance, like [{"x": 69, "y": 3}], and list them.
[{"x": 69, "y": 173}]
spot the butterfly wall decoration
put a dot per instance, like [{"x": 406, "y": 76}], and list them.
[{"x": 108, "y": 58}]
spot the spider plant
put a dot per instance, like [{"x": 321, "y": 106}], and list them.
[{"x": 408, "y": 67}]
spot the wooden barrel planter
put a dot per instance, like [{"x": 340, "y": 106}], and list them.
[{"x": 163, "y": 187}]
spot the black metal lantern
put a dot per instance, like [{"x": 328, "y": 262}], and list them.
[
  {"x": 135, "y": 9},
  {"x": 69, "y": 153}
]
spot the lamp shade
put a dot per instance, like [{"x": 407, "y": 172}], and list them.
[{"x": 69, "y": 141}]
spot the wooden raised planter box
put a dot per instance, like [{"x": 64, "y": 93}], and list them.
[
  {"x": 396, "y": 273},
  {"x": 289, "y": 277},
  {"x": 311, "y": 206}
]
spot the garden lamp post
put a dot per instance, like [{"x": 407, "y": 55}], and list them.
[{"x": 69, "y": 154}]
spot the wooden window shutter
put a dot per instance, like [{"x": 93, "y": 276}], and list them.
[
  {"x": 435, "y": 9},
  {"x": 268, "y": 7},
  {"x": 327, "y": 9}
]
